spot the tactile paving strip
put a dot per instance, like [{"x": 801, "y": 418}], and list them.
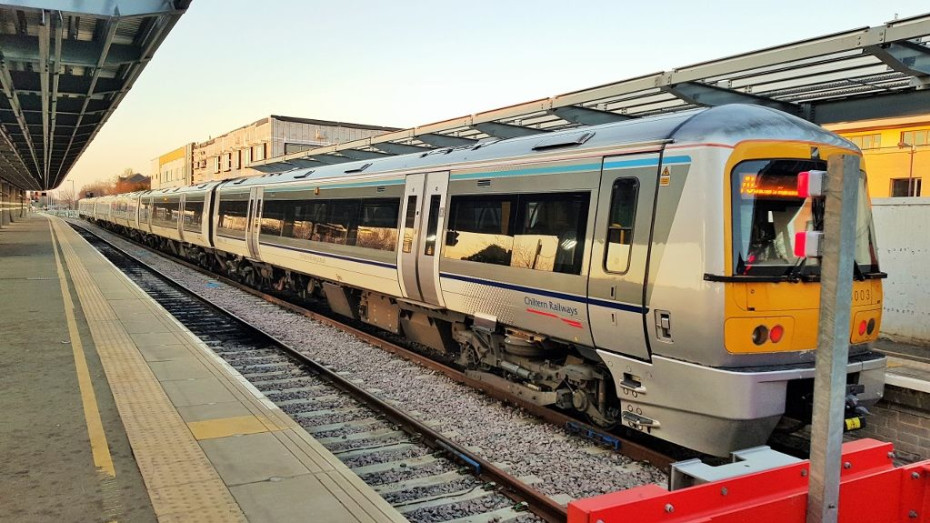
[{"x": 182, "y": 483}]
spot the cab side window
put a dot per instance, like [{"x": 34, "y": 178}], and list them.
[{"x": 621, "y": 219}]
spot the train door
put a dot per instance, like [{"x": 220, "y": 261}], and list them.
[
  {"x": 254, "y": 224},
  {"x": 423, "y": 213},
  {"x": 620, "y": 255},
  {"x": 182, "y": 203}
]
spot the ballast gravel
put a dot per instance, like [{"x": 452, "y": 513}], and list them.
[{"x": 561, "y": 464}]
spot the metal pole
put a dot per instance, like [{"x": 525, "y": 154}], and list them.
[
  {"x": 911, "y": 190},
  {"x": 836, "y": 278}
]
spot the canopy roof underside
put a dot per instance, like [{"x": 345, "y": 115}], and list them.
[{"x": 65, "y": 65}]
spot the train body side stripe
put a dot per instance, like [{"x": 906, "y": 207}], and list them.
[
  {"x": 551, "y": 294},
  {"x": 647, "y": 162},
  {"x": 531, "y": 171}
]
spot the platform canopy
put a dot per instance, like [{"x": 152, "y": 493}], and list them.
[
  {"x": 871, "y": 72},
  {"x": 65, "y": 65}
]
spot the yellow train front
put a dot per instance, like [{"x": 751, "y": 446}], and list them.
[{"x": 736, "y": 350}]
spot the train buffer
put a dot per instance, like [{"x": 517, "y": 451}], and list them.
[{"x": 872, "y": 489}]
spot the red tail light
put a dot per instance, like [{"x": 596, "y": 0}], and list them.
[
  {"x": 776, "y": 333},
  {"x": 862, "y": 327}
]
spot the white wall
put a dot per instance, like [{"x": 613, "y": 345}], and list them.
[{"x": 903, "y": 236}]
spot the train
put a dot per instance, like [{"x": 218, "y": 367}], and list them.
[{"x": 641, "y": 273}]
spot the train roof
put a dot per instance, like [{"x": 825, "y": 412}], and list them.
[{"x": 726, "y": 125}]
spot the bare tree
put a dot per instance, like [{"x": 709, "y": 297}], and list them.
[
  {"x": 66, "y": 196},
  {"x": 98, "y": 188}
]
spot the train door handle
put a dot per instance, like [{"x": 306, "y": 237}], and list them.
[
  {"x": 630, "y": 383},
  {"x": 664, "y": 325}
]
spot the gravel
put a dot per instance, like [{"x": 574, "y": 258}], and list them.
[{"x": 562, "y": 463}]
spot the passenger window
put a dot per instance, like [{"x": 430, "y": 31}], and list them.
[
  {"x": 165, "y": 212},
  {"x": 377, "y": 225},
  {"x": 432, "y": 224},
  {"x": 621, "y": 218},
  {"x": 544, "y": 232},
  {"x": 193, "y": 215},
  {"x": 369, "y": 223},
  {"x": 339, "y": 226},
  {"x": 232, "y": 218},
  {"x": 480, "y": 229},
  {"x": 273, "y": 218},
  {"x": 551, "y": 231},
  {"x": 409, "y": 221}
]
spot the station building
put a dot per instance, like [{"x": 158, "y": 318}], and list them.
[
  {"x": 896, "y": 152},
  {"x": 173, "y": 169},
  {"x": 230, "y": 155}
]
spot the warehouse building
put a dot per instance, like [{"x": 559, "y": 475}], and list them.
[{"x": 229, "y": 155}]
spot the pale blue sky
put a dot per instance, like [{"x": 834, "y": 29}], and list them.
[{"x": 228, "y": 63}]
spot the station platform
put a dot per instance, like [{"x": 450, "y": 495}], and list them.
[
  {"x": 111, "y": 410},
  {"x": 908, "y": 365}
]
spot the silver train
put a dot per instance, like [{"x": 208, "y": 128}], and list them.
[{"x": 640, "y": 272}]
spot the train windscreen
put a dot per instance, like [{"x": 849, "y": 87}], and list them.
[{"x": 767, "y": 212}]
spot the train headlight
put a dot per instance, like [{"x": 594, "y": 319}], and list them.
[
  {"x": 870, "y": 328},
  {"x": 808, "y": 244},
  {"x": 812, "y": 184},
  {"x": 760, "y": 334}
]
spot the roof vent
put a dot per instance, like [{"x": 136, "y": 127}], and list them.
[
  {"x": 358, "y": 169},
  {"x": 563, "y": 140},
  {"x": 485, "y": 142}
]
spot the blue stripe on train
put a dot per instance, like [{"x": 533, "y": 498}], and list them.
[{"x": 616, "y": 164}]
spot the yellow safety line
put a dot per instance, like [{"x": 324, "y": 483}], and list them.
[{"x": 98, "y": 438}]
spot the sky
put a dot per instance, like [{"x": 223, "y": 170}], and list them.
[{"x": 405, "y": 63}]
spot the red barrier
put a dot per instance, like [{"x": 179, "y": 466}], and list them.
[{"x": 871, "y": 490}]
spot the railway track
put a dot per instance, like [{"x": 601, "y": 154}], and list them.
[{"x": 422, "y": 473}]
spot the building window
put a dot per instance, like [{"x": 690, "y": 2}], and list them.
[
  {"x": 902, "y": 187},
  {"x": 920, "y": 137},
  {"x": 216, "y": 164},
  {"x": 867, "y": 141},
  {"x": 258, "y": 152},
  {"x": 247, "y": 156}
]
